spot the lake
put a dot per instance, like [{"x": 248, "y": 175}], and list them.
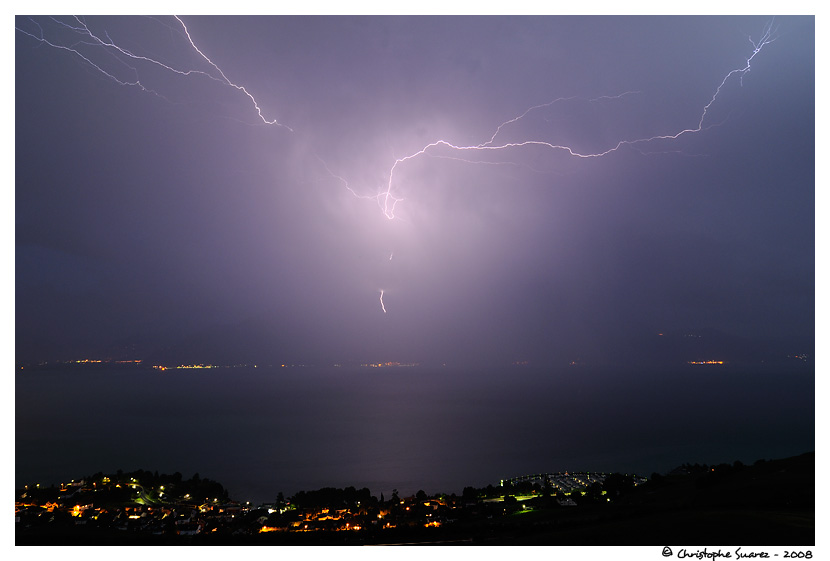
[{"x": 261, "y": 431}]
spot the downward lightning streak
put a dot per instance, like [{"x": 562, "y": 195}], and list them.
[
  {"x": 83, "y": 30},
  {"x": 228, "y": 82},
  {"x": 382, "y": 307}
]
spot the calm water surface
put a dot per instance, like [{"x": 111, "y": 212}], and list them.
[{"x": 268, "y": 430}]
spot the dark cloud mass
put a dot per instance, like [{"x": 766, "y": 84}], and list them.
[{"x": 171, "y": 222}]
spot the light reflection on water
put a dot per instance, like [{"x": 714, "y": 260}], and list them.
[{"x": 268, "y": 430}]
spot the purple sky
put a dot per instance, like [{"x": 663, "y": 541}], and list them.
[{"x": 169, "y": 220}]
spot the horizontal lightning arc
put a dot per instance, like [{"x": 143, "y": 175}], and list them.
[{"x": 387, "y": 195}]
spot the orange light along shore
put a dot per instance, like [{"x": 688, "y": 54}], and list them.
[{"x": 705, "y": 362}]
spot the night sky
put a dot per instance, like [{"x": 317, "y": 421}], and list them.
[
  {"x": 552, "y": 216},
  {"x": 160, "y": 215}
]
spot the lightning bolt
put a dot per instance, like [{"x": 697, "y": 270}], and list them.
[
  {"x": 227, "y": 81},
  {"x": 388, "y": 200},
  {"x": 96, "y": 45}
]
